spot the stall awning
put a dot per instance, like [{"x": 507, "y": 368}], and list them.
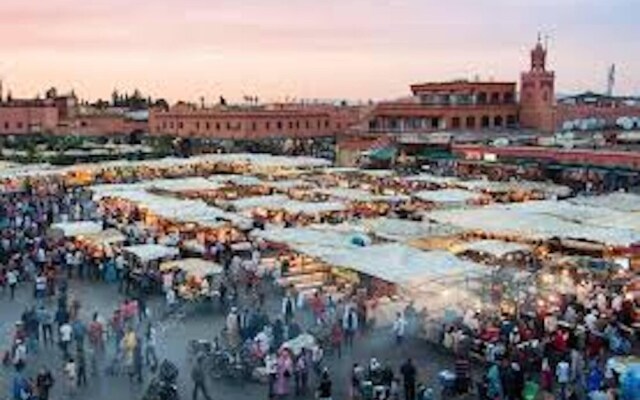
[
  {"x": 196, "y": 267},
  {"x": 495, "y": 248},
  {"x": 78, "y": 228},
  {"x": 151, "y": 252}
]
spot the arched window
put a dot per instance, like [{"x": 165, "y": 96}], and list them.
[{"x": 471, "y": 122}]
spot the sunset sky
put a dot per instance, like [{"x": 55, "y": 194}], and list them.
[{"x": 355, "y": 49}]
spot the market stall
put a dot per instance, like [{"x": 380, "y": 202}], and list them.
[
  {"x": 196, "y": 276},
  {"x": 77, "y": 228}
]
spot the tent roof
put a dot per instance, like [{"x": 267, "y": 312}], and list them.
[
  {"x": 496, "y": 248},
  {"x": 78, "y": 228},
  {"x": 193, "y": 266},
  {"x": 404, "y": 265},
  {"x": 150, "y": 252},
  {"x": 447, "y": 196}
]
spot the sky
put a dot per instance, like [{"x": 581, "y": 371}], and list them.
[{"x": 303, "y": 49}]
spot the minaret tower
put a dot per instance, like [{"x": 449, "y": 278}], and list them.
[{"x": 537, "y": 93}]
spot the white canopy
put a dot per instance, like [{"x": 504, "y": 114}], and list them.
[
  {"x": 270, "y": 202},
  {"x": 288, "y": 184},
  {"x": 151, "y": 252},
  {"x": 537, "y": 222},
  {"x": 447, "y": 196},
  {"x": 404, "y": 265},
  {"x": 620, "y": 201},
  {"x": 185, "y": 184},
  {"x": 106, "y": 237},
  {"x": 496, "y": 248},
  {"x": 401, "y": 230},
  {"x": 360, "y": 195},
  {"x": 429, "y": 178},
  {"x": 194, "y": 211},
  {"x": 193, "y": 266},
  {"x": 238, "y": 180},
  {"x": 78, "y": 228}
]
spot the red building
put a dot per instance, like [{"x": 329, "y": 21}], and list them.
[
  {"x": 458, "y": 105},
  {"x": 29, "y": 116},
  {"x": 254, "y": 122}
]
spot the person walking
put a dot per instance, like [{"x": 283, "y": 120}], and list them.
[
  {"x": 198, "y": 378},
  {"x": 44, "y": 383},
  {"x": 82, "y": 368},
  {"x": 46, "y": 322},
  {"x": 71, "y": 374},
  {"x": 336, "y": 338},
  {"x": 399, "y": 328},
  {"x": 324, "y": 388},
  {"x": 12, "y": 281},
  {"x": 301, "y": 373},
  {"x": 150, "y": 355},
  {"x": 66, "y": 332},
  {"x": 409, "y": 372},
  {"x": 350, "y": 325}
]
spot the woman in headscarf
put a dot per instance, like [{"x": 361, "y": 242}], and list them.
[{"x": 283, "y": 374}]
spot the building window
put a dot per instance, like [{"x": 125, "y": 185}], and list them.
[
  {"x": 228, "y": 126},
  {"x": 482, "y": 98},
  {"x": 197, "y": 125},
  {"x": 267, "y": 125},
  {"x": 471, "y": 122},
  {"x": 435, "y": 123},
  {"x": 217, "y": 126},
  {"x": 508, "y": 97},
  {"x": 170, "y": 125},
  {"x": 498, "y": 121},
  {"x": 307, "y": 124},
  {"x": 180, "y": 125},
  {"x": 319, "y": 124},
  {"x": 254, "y": 126},
  {"x": 511, "y": 121},
  {"x": 279, "y": 125},
  {"x": 339, "y": 126},
  {"x": 19, "y": 125},
  {"x": 326, "y": 124},
  {"x": 290, "y": 124},
  {"x": 455, "y": 123},
  {"x": 207, "y": 125},
  {"x": 495, "y": 98},
  {"x": 485, "y": 121},
  {"x": 164, "y": 125},
  {"x": 297, "y": 124},
  {"x": 545, "y": 96}
]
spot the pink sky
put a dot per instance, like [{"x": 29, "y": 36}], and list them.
[{"x": 356, "y": 49}]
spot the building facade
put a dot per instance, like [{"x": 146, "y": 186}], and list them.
[
  {"x": 458, "y": 105},
  {"x": 254, "y": 122}
]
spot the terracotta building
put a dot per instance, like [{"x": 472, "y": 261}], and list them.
[
  {"x": 253, "y": 122},
  {"x": 458, "y": 105},
  {"x": 29, "y": 116}
]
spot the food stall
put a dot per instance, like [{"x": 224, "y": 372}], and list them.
[
  {"x": 496, "y": 252},
  {"x": 73, "y": 229},
  {"x": 198, "y": 276}
]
